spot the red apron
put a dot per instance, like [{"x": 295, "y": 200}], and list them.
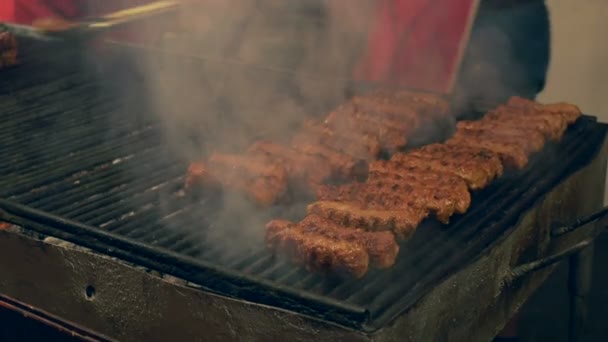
[
  {"x": 414, "y": 43},
  {"x": 417, "y": 44}
]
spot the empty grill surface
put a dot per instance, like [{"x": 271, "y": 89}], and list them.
[{"x": 69, "y": 148}]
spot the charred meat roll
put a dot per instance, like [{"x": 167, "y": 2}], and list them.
[
  {"x": 569, "y": 112},
  {"x": 467, "y": 169},
  {"x": 551, "y": 126},
  {"x": 391, "y": 134},
  {"x": 360, "y": 146},
  {"x": 443, "y": 202},
  {"x": 317, "y": 252},
  {"x": 529, "y": 139},
  {"x": 381, "y": 246},
  {"x": 402, "y": 222},
  {"x": 264, "y": 183},
  {"x": 309, "y": 170},
  {"x": 510, "y": 152}
]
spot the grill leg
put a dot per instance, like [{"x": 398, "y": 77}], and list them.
[{"x": 581, "y": 266}]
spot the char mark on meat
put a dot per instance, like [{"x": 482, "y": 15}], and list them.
[
  {"x": 307, "y": 170},
  {"x": 529, "y": 139},
  {"x": 569, "y": 112},
  {"x": 387, "y": 171},
  {"x": 551, "y": 126},
  {"x": 343, "y": 166},
  {"x": 317, "y": 252},
  {"x": 485, "y": 159},
  {"x": 264, "y": 183},
  {"x": 422, "y": 103},
  {"x": 511, "y": 154},
  {"x": 381, "y": 246},
  {"x": 391, "y": 134},
  {"x": 402, "y": 222},
  {"x": 360, "y": 146},
  {"x": 475, "y": 177},
  {"x": 391, "y": 195}
]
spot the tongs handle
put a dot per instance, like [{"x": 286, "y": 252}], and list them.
[
  {"x": 106, "y": 22},
  {"x": 598, "y": 222},
  {"x": 132, "y": 14},
  {"x": 599, "y": 219}
]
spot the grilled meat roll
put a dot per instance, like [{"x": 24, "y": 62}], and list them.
[
  {"x": 402, "y": 222},
  {"x": 391, "y": 134},
  {"x": 317, "y": 252},
  {"x": 569, "y": 112},
  {"x": 301, "y": 168},
  {"x": 529, "y": 139},
  {"x": 388, "y": 171},
  {"x": 360, "y": 146},
  {"x": 264, "y": 183},
  {"x": 422, "y": 103},
  {"x": 343, "y": 166},
  {"x": 485, "y": 159},
  {"x": 381, "y": 246},
  {"x": 551, "y": 126},
  {"x": 443, "y": 202},
  {"x": 467, "y": 169},
  {"x": 511, "y": 153}
]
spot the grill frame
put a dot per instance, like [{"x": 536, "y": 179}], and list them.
[
  {"x": 255, "y": 289},
  {"x": 233, "y": 284},
  {"x": 170, "y": 311}
]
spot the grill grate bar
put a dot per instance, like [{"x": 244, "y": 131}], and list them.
[
  {"x": 194, "y": 251},
  {"x": 52, "y": 195},
  {"x": 59, "y": 149},
  {"x": 105, "y": 208},
  {"x": 91, "y": 158},
  {"x": 28, "y": 111},
  {"x": 55, "y": 112},
  {"x": 282, "y": 274},
  {"x": 85, "y": 201},
  {"x": 127, "y": 214},
  {"x": 14, "y": 89},
  {"x": 139, "y": 227},
  {"x": 35, "y": 72},
  {"x": 15, "y": 138}
]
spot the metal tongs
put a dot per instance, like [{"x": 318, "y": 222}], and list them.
[
  {"x": 92, "y": 26},
  {"x": 594, "y": 224}
]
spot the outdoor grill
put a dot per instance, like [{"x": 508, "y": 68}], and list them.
[{"x": 84, "y": 164}]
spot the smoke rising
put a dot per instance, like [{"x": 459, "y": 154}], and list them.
[{"x": 223, "y": 85}]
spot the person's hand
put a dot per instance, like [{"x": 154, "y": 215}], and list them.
[{"x": 54, "y": 24}]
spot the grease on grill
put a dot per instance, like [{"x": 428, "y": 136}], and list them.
[{"x": 8, "y": 48}]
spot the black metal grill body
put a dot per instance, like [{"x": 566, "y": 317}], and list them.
[
  {"x": 84, "y": 165},
  {"x": 132, "y": 304}
]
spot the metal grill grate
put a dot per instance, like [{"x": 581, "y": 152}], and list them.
[{"x": 69, "y": 149}]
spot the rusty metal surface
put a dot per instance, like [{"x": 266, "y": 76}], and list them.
[
  {"x": 130, "y": 304},
  {"x": 24, "y": 321}
]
